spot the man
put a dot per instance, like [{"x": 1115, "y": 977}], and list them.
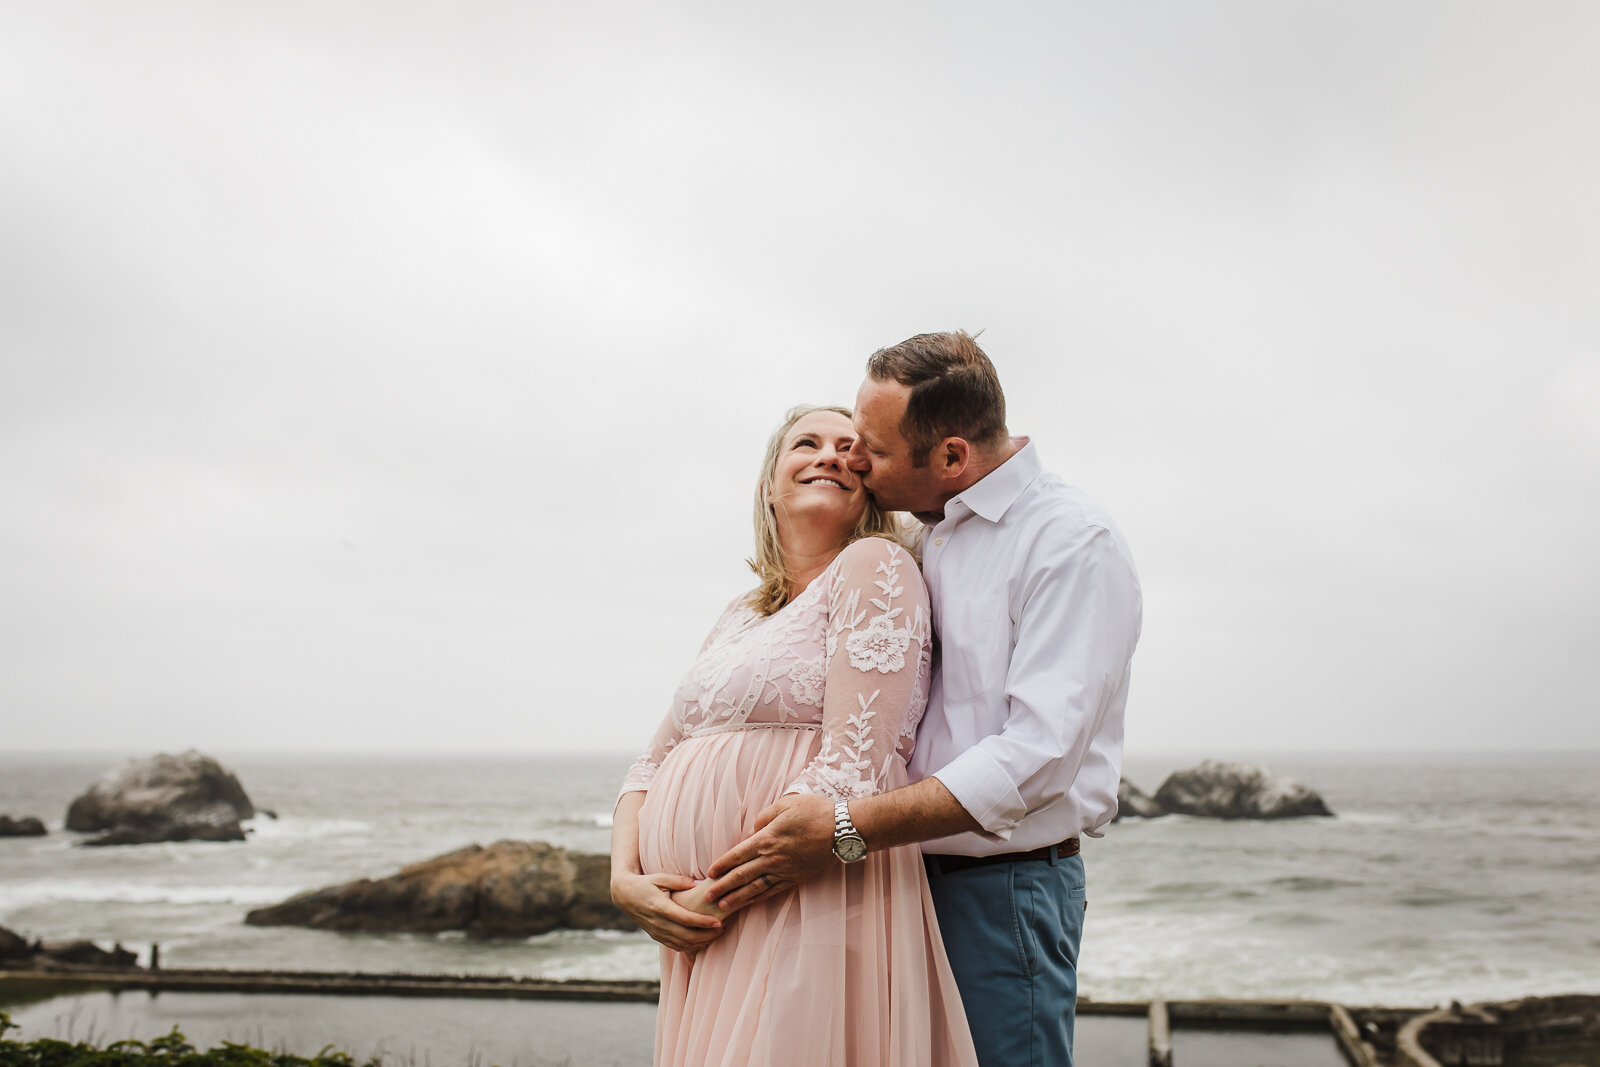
[{"x": 1037, "y": 609}]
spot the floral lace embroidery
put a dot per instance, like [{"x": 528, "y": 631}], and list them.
[
  {"x": 880, "y": 647},
  {"x": 715, "y": 667},
  {"x": 780, "y": 670},
  {"x": 806, "y": 681},
  {"x": 844, "y": 769},
  {"x": 845, "y": 773}
]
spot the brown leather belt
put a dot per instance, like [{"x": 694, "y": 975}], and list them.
[{"x": 948, "y": 864}]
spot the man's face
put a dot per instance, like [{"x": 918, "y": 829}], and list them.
[{"x": 883, "y": 457}]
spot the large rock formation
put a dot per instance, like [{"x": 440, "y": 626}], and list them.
[
  {"x": 17, "y": 953},
  {"x": 13, "y": 946},
  {"x": 1236, "y": 791},
  {"x": 164, "y": 798},
  {"x": 510, "y": 889},
  {"x": 27, "y": 826},
  {"x": 80, "y": 953},
  {"x": 1133, "y": 802}
]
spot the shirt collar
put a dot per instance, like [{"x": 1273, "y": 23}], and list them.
[{"x": 990, "y": 496}]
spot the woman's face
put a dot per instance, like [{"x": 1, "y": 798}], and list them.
[{"x": 811, "y": 483}]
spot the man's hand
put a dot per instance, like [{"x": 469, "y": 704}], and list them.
[
  {"x": 793, "y": 841},
  {"x": 647, "y": 900}
]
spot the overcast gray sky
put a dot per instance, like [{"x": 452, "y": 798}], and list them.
[{"x": 395, "y": 375}]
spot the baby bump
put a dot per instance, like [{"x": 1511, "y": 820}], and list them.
[{"x": 709, "y": 790}]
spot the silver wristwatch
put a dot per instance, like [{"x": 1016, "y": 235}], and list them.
[{"x": 848, "y": 844}]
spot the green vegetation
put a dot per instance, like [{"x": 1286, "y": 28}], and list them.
[{"x": 172, "y": 1050}]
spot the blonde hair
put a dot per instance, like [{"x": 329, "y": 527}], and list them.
[{"x": 768, "y": 563}]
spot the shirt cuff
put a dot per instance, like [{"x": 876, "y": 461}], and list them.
[{"x": 982, "y": 786}]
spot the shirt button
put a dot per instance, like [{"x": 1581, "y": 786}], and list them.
[{"x": 938, "y": 542}]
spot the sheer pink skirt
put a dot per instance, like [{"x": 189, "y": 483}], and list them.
[{"x": 846, "y": 969}]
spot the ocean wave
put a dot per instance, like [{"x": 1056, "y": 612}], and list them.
[
  {"x": 1438, "y": 897},
  {"x": 589, "y": 821},
  {"x": 291, "y": 828},
  {"x": 1184, "y": 889},
  {"x": 1292, "y": 918},
  {"x": 1582, "y": 864},
  {"x": 1370, "y": 818},
  {"x": 619, "y": 956},
  {"x": 1303, "y": 883},
  {"x": 94, "y": 891}
]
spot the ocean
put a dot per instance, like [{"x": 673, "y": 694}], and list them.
[{"x": 1442, "y": 877}]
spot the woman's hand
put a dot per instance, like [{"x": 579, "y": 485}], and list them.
[
  {"x": 649, "y": 900},
  {"x": 694, "y": 899}
]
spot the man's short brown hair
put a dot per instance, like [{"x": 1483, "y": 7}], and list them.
[{"x": 954, "y": 390}]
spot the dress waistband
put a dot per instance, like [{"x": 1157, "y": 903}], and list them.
[{"x": 733, "y": 726}]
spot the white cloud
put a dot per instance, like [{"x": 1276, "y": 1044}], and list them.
[{"x": 390, "y": 377}]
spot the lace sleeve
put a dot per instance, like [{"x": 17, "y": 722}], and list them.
[
  {"x": 643, "y": 771},
  {"x": 878, "y": 656},
  {"x": 670, "y": 732}
]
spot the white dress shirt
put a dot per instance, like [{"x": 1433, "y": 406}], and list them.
[{"x": 1037, "y": 610}]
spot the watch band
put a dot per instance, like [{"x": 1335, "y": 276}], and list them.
[{"x": 848, "y": 844}]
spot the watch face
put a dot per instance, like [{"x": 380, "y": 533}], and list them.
[{"x": 850, "y": 849}]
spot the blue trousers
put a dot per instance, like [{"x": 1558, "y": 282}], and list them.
[{"x": 1012, "y": 931}]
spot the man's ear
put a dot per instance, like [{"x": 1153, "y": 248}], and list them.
[{"x": 951, "y": 457}]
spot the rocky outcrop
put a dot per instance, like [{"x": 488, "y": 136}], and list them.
[
  {"x": 511, "y": 889},
  {"x": 1236, "y": 791},
  {"x": 13, "y": 946},
  {"x": 164, "y": 798},
  {"x": 17, "y": 953},
  {"x": 27, "y": 826},
  {"x": 85, "y": 954},
  {"x": 1133, "y": 802}
]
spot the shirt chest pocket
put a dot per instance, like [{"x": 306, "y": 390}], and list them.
[{"x": 974, "y": 649}]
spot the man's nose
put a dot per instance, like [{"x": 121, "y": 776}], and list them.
[{"x": 856, "y": 458}]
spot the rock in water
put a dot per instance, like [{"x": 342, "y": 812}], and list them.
[
  {"x": 165, "y": 798},
  {"x": 27, "y": 826},
  {"x": 1236, "y": 791},
  {"x": 17, "y": 953},
  {"x": 1133, "y": 802},
  {"x": 510, "y": 889},
  {"x": 13, "y": 946},
  {"x": 85, "y": 954}
]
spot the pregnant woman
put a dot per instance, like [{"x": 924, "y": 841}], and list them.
[{"x": 811, "y": 683}]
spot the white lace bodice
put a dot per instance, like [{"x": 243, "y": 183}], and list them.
[{"x": 850, "y": 655}]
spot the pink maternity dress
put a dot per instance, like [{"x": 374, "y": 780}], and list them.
[{"x": 821, "y": 697}]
